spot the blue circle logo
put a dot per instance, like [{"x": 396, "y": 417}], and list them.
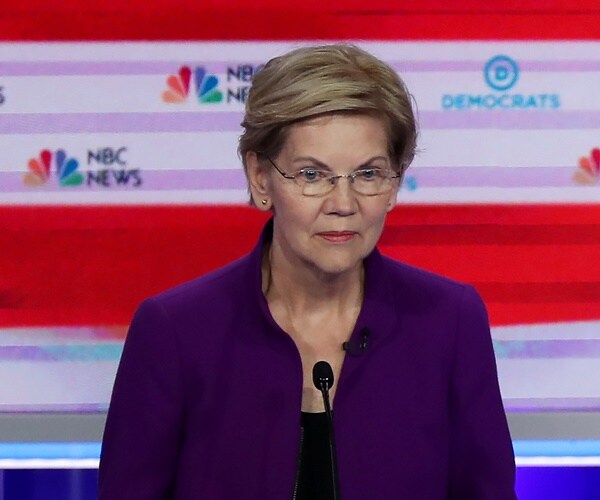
[{"x": 501, "y": 73}]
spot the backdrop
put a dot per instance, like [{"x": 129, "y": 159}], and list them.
[{"x": 119, "y": 175}]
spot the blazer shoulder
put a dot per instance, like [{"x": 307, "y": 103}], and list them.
[
  {"x": 421, "y": 281},
  {"x": 216, "y": 287}
]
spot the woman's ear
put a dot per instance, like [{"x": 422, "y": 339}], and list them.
[
  {"x": 393, "y": 196},
  {"x": 259, "y": 181}
]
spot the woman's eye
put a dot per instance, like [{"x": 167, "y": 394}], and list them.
[
  {"x": 310, "y": 174},
  {"x": 368, "y": 173}
]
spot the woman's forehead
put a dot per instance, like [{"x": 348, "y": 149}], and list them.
[{"x": 363, "y": 134}]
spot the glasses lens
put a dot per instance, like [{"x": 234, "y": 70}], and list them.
[
  {"x": 372, "y": 181},
  {"x": 317, "y": 188},
  {"x": 368, "y": 182}
]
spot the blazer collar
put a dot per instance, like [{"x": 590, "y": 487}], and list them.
[{"x": 379, "y": 311}]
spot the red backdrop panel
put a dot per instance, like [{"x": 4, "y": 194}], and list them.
[
  {"x": 298, "y": 20},
  {"x": 93, "y": 265}
]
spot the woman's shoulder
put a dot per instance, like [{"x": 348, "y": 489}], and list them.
[
  {"x": 413, "y": 285},
  {"x": 212, "y": 290},
  {"x": 407, "y": 274}
]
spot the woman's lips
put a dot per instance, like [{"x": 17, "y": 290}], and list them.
[{"x": 337, "y": 236}]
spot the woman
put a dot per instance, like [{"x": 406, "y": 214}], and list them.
[{"x": 214, "y": 394}]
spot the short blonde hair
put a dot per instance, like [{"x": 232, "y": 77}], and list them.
[{"x": 311, "y": 81}]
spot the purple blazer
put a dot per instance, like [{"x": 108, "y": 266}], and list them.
[{"x": 206, "y": 403}]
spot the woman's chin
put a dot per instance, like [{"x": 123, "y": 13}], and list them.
[{"x": 331, "y": 268}]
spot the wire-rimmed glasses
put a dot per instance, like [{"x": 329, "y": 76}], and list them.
[{"x": 368, "y": 181}]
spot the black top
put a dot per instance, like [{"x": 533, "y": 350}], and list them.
[{"x": 314, "y": 475}]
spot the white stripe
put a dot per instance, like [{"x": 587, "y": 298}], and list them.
[
  {"x": 218, "y": 51},
  {"x": 61, "y": 335},
  {"x": 526, "y": 378},
  {"x": 575, "y": 330},
  {"x": 41, "y": 383},
  {"x": 142, "y": 93},
  {"x": 182, "y": 197},
  {"x": 218, "y": 150},
  {"x": 93, "y": 463},
  {"x": 103, "y": 94},
  {"x": 49, "y": 463},
  {"x": 557, "y": 461},
  {"x": 155, "y": 151},
  {"x": 506, "y": 148}
]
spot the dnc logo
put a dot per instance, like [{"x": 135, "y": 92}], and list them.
[
  {"x": 501, "y": 73},
  {"x": 40, "y": 169},
  {"x": 178, "y": 86},
  {"x": 588, "y": 172}
]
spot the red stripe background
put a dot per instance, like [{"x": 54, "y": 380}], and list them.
[
  {"x": 299, "y": 20},
  {"x": 92, "y": 265}
]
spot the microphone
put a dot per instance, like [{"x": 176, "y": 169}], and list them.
[
  {"x": 358, "y": 348},
  {"x": 323, "y": 376},
  {"x": 323, "y": 381}
]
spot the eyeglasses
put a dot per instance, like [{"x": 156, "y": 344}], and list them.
[{"x": 369, "y": 181}]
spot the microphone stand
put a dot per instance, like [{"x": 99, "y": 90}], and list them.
[{"x": 323, "y": 381}]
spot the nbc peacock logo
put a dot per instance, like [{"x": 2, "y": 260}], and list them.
[
  {"x": 178, "y": 86},
  {"x": 588, "y": 172},
  {"x": 40, "y": 169}
]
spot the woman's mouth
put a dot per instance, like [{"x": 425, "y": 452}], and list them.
[{"x": 337, "y": 236}]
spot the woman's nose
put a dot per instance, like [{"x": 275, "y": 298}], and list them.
[{"x": 342, "y": 198}]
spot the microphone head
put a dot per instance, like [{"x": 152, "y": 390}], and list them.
[{"x": 322, "y": 375}]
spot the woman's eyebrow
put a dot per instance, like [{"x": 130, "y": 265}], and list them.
[
  {"x": 371, "y": 160},
  {"x": 324, "y": 166},
  {"x": 319, "y": 163}
]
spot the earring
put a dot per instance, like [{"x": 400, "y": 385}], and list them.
[{"x": 264, "y": 202}]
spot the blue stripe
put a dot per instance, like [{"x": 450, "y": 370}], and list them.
[
  {"x": 557, "y": 448},
  {"x": 49, "y": 450},
  {"x": 530, "y": 448}
]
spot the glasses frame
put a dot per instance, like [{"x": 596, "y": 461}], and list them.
[{"x": 332, "y": 179}]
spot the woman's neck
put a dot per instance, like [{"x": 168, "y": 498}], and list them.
[{"x": 307, "y": 290}]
